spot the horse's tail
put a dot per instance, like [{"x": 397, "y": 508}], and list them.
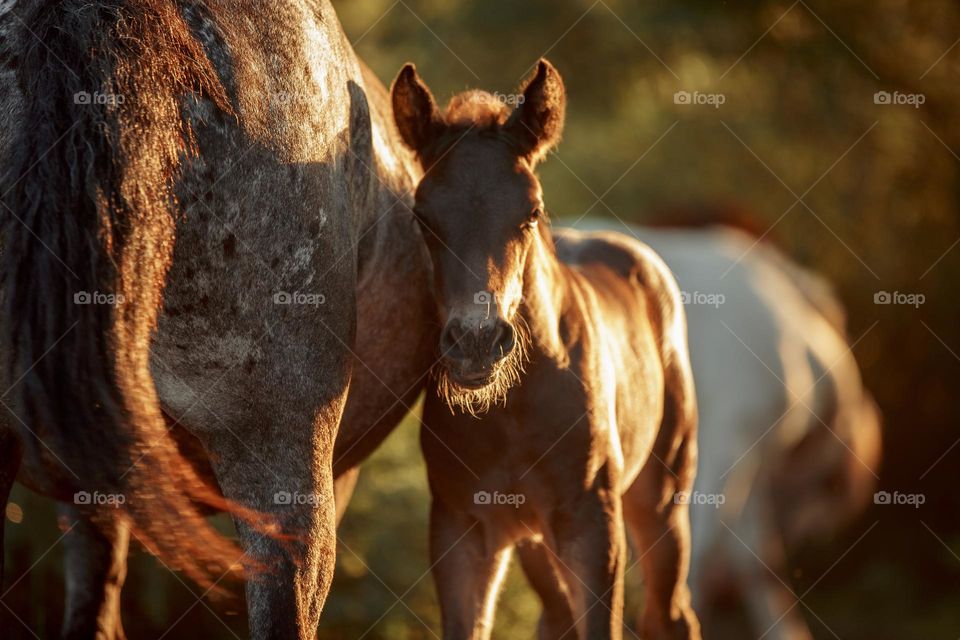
[{"x": 89, "y": 236}]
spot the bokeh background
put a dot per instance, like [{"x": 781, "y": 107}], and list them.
[{"x": 879, "y": 212}]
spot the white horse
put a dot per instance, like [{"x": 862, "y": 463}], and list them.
[{"x": 789, "y": 440}]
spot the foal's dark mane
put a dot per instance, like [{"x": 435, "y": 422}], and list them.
[
  {"x": 476, "y": 108},
  {"x": 472, "y": 112}
]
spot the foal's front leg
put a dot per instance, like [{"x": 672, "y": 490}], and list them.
[
  {"x": 467, "y": 572},
  {"x": 591, "y": 551}
]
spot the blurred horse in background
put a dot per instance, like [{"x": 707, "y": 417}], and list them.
[
  {"x": 789, "y": 438},
  {"x": 206, "y": 238}
]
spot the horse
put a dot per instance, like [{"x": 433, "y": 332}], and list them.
[
  {"x": 563, "y": 404},
  {"x": 206, "y": 245},
  {"x": 789, "y": 436}
]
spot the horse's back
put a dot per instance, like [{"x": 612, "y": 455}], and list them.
[
  {"x": 625, "y": 256},
  {"x": 583, "y": 248},
  {"x": 618, "y": 266}
]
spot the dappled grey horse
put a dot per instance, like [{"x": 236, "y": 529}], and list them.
[{"x": 206, "y": 238}]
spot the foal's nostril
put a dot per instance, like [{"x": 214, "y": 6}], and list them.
[
  {"x": 504, "y": 339},
  {"x": 483, "y": 343},
  {"x": 451, "y": 340}
]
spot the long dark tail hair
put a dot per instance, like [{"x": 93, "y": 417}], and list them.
[{"x": 89, "y": 234}]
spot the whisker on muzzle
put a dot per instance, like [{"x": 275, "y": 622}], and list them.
[{"x": 506, "y": 374}]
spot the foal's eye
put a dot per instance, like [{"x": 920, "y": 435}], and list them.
[{"x": 532, "y": 219}]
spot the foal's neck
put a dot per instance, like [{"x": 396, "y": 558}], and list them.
[{"x": 546, "y": 296}]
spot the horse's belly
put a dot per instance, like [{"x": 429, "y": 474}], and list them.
[{"x": 396, "y": 339}]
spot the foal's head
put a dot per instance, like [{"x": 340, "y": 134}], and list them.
[{"x": 481, "y": 206}]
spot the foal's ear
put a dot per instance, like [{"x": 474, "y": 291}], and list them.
[
  {"x": 414, "y": 110},
  {"x": 537, "y": 123}
]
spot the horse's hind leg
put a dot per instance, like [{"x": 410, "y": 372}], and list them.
[
  {"x": 660, "y": 523},
  {"x": 95, "y": 559},
  {"x": 771, "y": 604},
  {"x": 661, "y": 530},
  {"x": 556, "y": 621}
]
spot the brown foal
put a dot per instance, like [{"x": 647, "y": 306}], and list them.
[{"x": 564, "y": 402}]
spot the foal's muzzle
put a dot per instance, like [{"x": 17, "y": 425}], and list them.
[{"x": 471, "y": 352}]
